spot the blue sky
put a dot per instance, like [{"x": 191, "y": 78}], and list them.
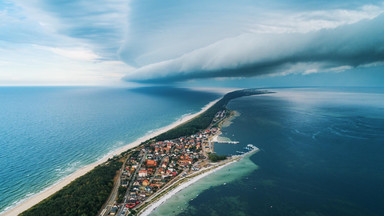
[{"x": 191, "y": 43}]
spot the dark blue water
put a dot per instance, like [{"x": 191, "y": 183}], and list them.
[
  {"x": 47, "y": 133},
  {"x": 321, "y": 154}
]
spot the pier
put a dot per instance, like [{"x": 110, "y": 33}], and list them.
[{"x": 229, "y": 142}]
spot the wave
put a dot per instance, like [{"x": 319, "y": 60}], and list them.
[{"x": 71, "y": 168}]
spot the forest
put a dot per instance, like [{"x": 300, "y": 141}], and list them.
[
  {"x": 86, "y": 195},
  {"x": 83, "y": 197},
  {"x": 204, "y": 120},
  {"x": 216, "y": 158}
]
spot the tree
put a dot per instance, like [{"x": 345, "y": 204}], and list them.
[{"x": 216, "y": 158}]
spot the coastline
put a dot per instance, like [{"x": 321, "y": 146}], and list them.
[
  {"x": 182, "y": 186},
  {"x": 35, "y": 199},
  {"x": 201, "y": 174}
]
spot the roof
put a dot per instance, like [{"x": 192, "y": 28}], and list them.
[{"x": 151, "y": 163}]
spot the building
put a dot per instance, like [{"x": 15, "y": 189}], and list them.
[
  {"x": 143, "y": 173},
  {"x": 145, "y": 182},
  {"x": 113, "y": 211},
  {"x": 151, "y": 163}
]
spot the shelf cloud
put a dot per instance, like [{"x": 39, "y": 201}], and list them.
[
  {"x": 168, "y": 41},
  {"x": 255, "y": 54}
]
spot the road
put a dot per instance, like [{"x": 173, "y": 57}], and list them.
[
  {"x": 157, "y": 170},
  {"x": 119, "y": 212},
  {"x": 112, "y": 197}
]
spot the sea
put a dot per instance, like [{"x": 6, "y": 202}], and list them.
[
  {"x": 321, "y": 154},
  {"x": 47, "y": 133}
]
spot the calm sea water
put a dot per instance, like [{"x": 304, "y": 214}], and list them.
[
  {"x": 47, "y": 133},
  {"x": 321, "y": 154}
]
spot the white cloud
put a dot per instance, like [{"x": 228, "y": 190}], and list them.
[
  {"x": 171, "y": 39},
  {"x": 308, "y": 21},
  {"x": 98, "y": 25},
  {"x": 76, "y": 53},
  {"x": 62, "y": 42},
  {"x": 41, "y": 65}
]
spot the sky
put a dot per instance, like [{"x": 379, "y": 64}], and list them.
[{"x": 264, "y": 43}]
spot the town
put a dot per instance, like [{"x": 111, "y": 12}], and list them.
[
  {"x": 139, "y": 178},
  {"x": 150, "y": 167}
]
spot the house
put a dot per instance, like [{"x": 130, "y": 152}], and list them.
[
  {"x": 157, "y": 178},
  {"x": 150, "y": 171},
  {"x": 166, "y": 159},
  {"x": 143, "y": 173},
  {"x": 151, "y": 163},
  {"x": 124, "y": 184},
  {"x": 114, "y": 210},
  {"x": 164, "y": 165},
  {"x": 155, "y": 185},
  {"x": 161, "y": 170},
  {"x": 145, "y": 182}
]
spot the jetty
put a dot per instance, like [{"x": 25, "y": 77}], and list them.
[{"x": 229, "y": 142}]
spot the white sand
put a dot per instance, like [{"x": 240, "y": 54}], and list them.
[
  {"x": 149, "y": 209},
  {"x": 179, "y": 188},
  {"x": 28, "y": 203}
]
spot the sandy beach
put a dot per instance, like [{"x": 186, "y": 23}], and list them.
[
  {"x": 28, "y": 203},
  {"x": 149, "y": 209},
  {"x": 179, "y": 188}
]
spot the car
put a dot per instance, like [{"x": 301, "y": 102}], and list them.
[{"x": 130, "y": 205}]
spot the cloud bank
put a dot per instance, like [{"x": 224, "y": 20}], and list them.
[
  {"x": 253, "y": 54},
  {"x": 153, "y": 41}
]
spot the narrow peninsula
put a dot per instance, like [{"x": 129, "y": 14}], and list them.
[{"x": 137, "y": 180}]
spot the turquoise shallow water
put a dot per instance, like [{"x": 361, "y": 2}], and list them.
[
  {"x": 179, "y": 202},
  {"x": 320, "y": 154},
  {"x": 47, "y": 133}
]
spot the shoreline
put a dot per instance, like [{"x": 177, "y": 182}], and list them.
[
  {"x": 40, "y": 196},
  {"x": 153, "y": 206},
  {"x": 179, "y": 188}
]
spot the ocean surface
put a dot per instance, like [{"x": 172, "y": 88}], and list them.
[
  {"x": 321, "y": 154},
  {"x": 47, "y": 133}
]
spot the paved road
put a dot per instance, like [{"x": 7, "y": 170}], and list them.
[
  {"x": 112, "y": 197},
  {"x": 119, "y": 213},
  {"x": 157, "y": 170}
]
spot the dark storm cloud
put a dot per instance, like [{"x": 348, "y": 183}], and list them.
[{"x": 249, "y": 55}]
